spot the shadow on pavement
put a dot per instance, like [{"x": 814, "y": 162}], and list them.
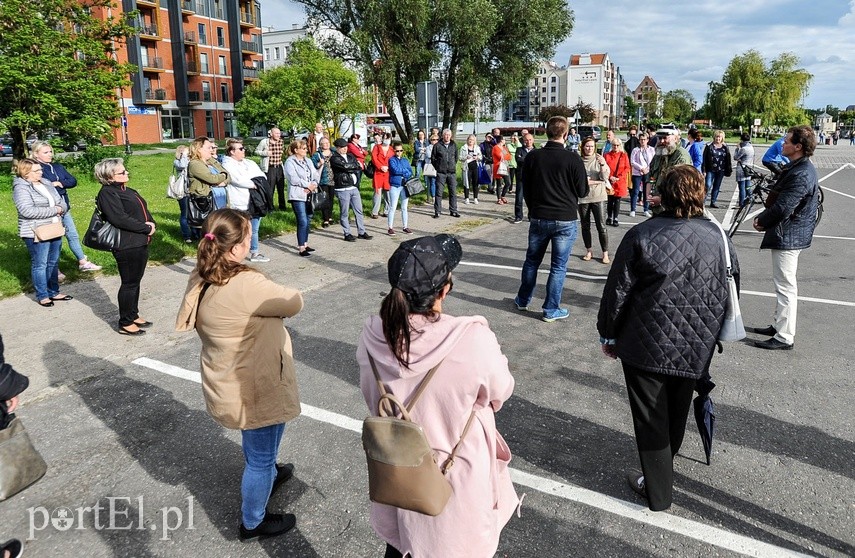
[{"x": 176, "y": 446}]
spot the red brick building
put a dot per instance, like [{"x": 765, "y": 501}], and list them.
[{"x": 194, "y": 59}]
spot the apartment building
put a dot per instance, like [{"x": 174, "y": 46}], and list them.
[
  {"x": 648, "y": 95},
  {"x": 594, "y": 79},
  {"x": 194, "y": 59},
  {"x": 277, "y": 43},
  {"x": 547, "y": 88}
]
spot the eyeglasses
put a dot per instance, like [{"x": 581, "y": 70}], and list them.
[
  {"x": 399, "y": 151},
  {"x": 240, "y": 148},
  {"x": 123, "y": 172}
]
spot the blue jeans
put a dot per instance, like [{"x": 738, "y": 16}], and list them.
[
  {"x": 221, "y": 198},
  {"x": 714, "y": 184},
  {"x": 255, "y": 222},
  {"x": 396, "y": 193},
  {"x": 518, "y": 199},
  {"x": 744, "y": 190},
  {"x": 186, "y": 232},
  {"x": 303, "y": 219},
  {"x": 431, "y": 185},
  {"x": 44, "y": 266},
  {"x": 260, "y": 448},
  {"x": 639, "y": 190},
  {"x": 72, "y": 236},
  {"x": 419, "y": 166},
  {"x": 562, "y": 235}
]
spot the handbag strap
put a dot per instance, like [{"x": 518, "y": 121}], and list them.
[
  {"x": 448, "y": 463},
  {"x": 726, "y": 250}
]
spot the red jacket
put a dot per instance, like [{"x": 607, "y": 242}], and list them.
[
  {"x": 500, "y": 153},
  {"x": 381, "y": 179},
  {"x": 620, "y": 168}
]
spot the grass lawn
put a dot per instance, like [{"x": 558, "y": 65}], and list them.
[{"x": 149, "y": 176}]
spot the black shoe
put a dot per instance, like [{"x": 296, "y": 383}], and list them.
[
  {"x": 123, "y": 331},
  {"x": 615, "y": 223},
  {"x": 308, "y": 249},
  {"x": 13, "y": 547},
  {"x": 350, "y": 238},
  {"x": 435, "y": 216},
  {"x": 144, "y": 324},
  {"x": 365, "y": 236},
  {"x": 714, "y": 206},
  {"x": 609, "y": 222},
  {"x": 305, "y": 254},
  {"x": 455, "y": 214},
  {"x": 284, "y": 473},
  {"x": 768, "y": 330},
  {"x": 273, "y": 524},
  {"x": 635, "y": 480},
  {"x": 773, "y": 344}
]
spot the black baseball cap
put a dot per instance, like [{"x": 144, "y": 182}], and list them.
[
  {"x": 340, "y": 142},
  {"x": 421, "y": 266}
]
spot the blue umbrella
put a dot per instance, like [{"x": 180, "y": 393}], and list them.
[{"x": 705, "y": 413}]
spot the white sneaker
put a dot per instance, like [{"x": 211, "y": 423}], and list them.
[
  {"x": 648, "y": 214},
  {"x": 258, "y": 258},
  {"x": 467, "y": 201},
  {"x": 89, "y": 266},
  {"x": 475, "y": 201},
  {"x": 632, "y": 213}
]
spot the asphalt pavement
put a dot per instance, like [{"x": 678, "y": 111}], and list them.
[{"x": 138, "y": 468}]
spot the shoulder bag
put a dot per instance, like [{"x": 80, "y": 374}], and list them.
[
  {"x": 20, "y": 463},
  {"x": 369, "y": 169},
  {"x": 402, "y": 467},
  {"x": 177, "y": 187},
  {"x": 50, "y": 231},
  {"x": 428, "y": 169},
  {"x": 101, "y": 234},
  {"x": 198, "y": 209},
  {"x": 414, "y": 186},
  {"x": 319, "y": 199},
  {"x": 732, "y": 329}
]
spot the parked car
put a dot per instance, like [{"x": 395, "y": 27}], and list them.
[
  {"x": 590, "y": 131},
  {"x": 59, "y": 141},
  {"x": 5, "y": 146}
]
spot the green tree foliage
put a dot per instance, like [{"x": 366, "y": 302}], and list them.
[
  {"x": 558, "y": 110},
  {"x": 481, "y": 50},
  {"x": 650, "y": 104},
  {"x": 678, "y": 106},
  {"x": 631, "y": 109},
  {"x": 587, "y": 113},
  {"x": 752, "y": 88},
  {"x": 58, "y": 70},
  {"x": 310, "y": 88}
]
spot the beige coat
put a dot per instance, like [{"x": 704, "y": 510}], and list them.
[{"x": 248, "y": 375}]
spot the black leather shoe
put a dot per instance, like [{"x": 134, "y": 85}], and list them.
[
  {"x": 455, "y": 214},
  {"x": 714, "y": 206},
  {"x": 123, "y": 331},
  {"x": 284, "y": 473},
  {"x": 773, "y": 344},
  {"x": 635, "y": 480},
  {"x": 144, "y": 323},
  {"x": 273, "y": 524},
  {"x": 365, "y": 236},
  {"x": 436, "y": 215},
  {"x": 768, "y": 330},
  {"x": 350, "y": 238}
]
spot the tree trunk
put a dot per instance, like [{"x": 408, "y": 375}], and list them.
[{"x": 19, "y": 143}]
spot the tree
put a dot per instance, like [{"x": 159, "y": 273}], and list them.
[
  {"x": 310, "y": 88},
  {"x": 586, "y": 112},
  {"x": 750, "y": 88},
  {"x": 678, "y": 106},
  {"x": 631, "y": 109},
  {"x": 58, "y": 69},
  {"x": 475, "y": 48},
  {"x": 650, "y": 104},
  {"x": 558, "y": 110}
]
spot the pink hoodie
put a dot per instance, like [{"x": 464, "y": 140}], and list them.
[{"x": 474, "y": 375}]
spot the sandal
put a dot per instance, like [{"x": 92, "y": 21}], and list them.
[
  {"x": 587, "y": 257},
  {"x": 606, "y": 260},
  {"x": 62, "y": 297},
  {"x": 47, "y": 303}
]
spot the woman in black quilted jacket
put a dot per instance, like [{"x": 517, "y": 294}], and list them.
[{"x": 661, "y": 313}]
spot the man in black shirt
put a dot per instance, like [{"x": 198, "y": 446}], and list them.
[
  {"x": 443, "y": 156},
  {"x": 554, "y": 179}
]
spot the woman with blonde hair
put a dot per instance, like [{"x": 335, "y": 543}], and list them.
[
  {"x": 38, "y": 203},
  {"x": 302, "y": 177},
  {"x": 232, "y": 307},
  {"x": 593, "y": 205},
  {"x": 205, "y": 173},
  {"x": 619, "y": 171}
]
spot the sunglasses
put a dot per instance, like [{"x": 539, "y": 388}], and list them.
[
  {"x": 123, "y": 172},
  {"x": 240, "y": 148},
  {"x": 399, "y": 151}
]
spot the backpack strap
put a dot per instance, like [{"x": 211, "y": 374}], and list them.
[
  {"x": 450, "y": 461},
  {"x": 387, "y": 398}
]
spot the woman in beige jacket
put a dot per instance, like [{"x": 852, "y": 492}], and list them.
[{"x": 248, "y": 376}]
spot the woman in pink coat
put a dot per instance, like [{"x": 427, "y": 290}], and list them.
[{"x": 409, "y": 337}]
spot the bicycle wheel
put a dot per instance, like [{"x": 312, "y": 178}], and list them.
[{"x": 739, "y": 217}]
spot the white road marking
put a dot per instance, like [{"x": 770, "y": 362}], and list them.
[
  {"x": 513, "y": 268},
  {"x": 835, "y": 171},
  {"x": 603, "y": 278},
  {"x": 814, "y": 236},
  {"x": 681, "y": 526}
]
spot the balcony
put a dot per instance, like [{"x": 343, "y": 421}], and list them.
[
  {"x": 251, "y": 47},
  {"x": 218, "y": 14},
  {"x": 188, "y": 7},
  {"x": 149, "y": 31},
  {"x": 250, "y": 72},
  {"x": 156, "y": 97},
  {"x": 190, "y": 38},
  {"x": 195, "y": 98},
  {"x": 192, "y": 68},
  {"x": 248, "y": 19},
  {"x": 201, "y": 9},
  {"x": 206, "y": 96},
  {"x": 153, "y": 64},
  {"x": 150, "y": 3}
]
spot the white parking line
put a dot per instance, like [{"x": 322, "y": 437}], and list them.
[
  {"x": 681, "y": 526},
  {"x": 603, "y": 278}
]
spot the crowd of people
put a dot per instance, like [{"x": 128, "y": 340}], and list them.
[{"x": 660, "y": 263}]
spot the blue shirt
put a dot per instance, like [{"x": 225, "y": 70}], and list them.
[{"x": 775, "y": 153}]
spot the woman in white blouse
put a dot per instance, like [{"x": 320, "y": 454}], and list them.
[{"x": 241, "y": 172}]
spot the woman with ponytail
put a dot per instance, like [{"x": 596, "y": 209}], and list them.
[
  {"x": 411, "y": 337},
  {"x": 248, "y": 375}
]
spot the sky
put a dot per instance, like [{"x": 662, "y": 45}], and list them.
[{"x": 685, "y": 45}]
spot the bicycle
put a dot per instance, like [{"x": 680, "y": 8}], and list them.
[{"x": 761, "y": 185}]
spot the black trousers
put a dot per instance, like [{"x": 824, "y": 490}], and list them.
[
  {"x": 518, "y": 199},
  {"x": 613, "y": 208},
  {"x": 326, "y": 213},
  {"x": 660, "y": 406},
  {"x": 131, "y": 263},
  {"x": 276, "y": 178},
  {"x": 586, "y": 210},
  {"x": 472, "y": 180}
]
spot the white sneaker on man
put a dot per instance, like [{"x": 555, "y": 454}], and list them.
[
  {"x": 466, "y": 201},
  {"x": 475, "y": 201},
  {"x": 632, "y": 213}
]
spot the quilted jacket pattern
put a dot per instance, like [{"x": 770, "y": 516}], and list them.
[
  {"x": 791, "y": 220},
  {"x": 666, "y": 294}
]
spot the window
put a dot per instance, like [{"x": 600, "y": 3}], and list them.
[
  {"x": 543, "y": 100},
  {"x": 276, "y": 53},
  {"x": 552, "y": 89},
  {"x": 543, "y": 90},
  {"x": 267, "y": 55},
  {"x": 203, "y": 39},
  {"x": 176, "y": 124},
  {"x": 209, "y": 123},
  {"x": 553, "y": 79},
  {"x": 224, "y": 92},
  {"x": 203, "y": 62},
  {"x": 221, "y": 37},
  {"x": 206, "y": 91},
  {"x": 222, "y": 66}
]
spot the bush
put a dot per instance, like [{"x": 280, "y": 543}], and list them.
[{"x": 84, "y": 163}]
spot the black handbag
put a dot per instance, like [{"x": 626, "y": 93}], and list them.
[
  {"x": 101, "y": 234},
  {"x": 369, "y": 169},
  {"x": 414, "y": 186},
  {"x": 319, "y": 199},
  {"x": 198, "y": 209}
]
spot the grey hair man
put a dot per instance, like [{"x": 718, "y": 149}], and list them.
[
  {"x": 443, "y": 156},
  {"x": 669, "y": 154}
]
